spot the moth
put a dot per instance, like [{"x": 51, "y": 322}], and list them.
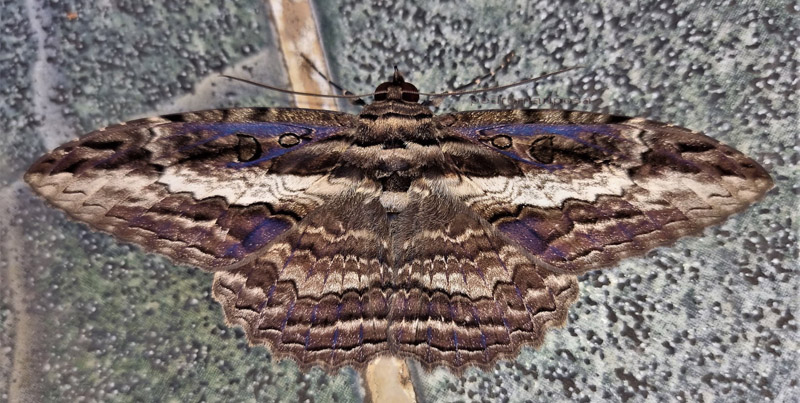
[{"x": 453, "y": 239}]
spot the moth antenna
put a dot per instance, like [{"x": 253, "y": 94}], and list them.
[
  {"x": 501, "y": 87},
  {"x": 507, "y": 59},
  {"x": 358, "y": 101},
  {"x": 503, "y": 65},
  {"x": 285, "y": 91}
]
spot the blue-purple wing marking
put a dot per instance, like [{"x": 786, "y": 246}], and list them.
[
  {"x": 591, "y": 189},
  {"x": 475, "y": 260},
  {"x": 268, "y": 134},
  {"x": 202, "y": 187},
  {"x": 581, "y": 134}
]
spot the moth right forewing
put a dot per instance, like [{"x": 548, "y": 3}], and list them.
[{"x": 601, "y": 187}]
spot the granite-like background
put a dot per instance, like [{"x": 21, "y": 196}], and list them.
[{"x": 710, "y": 319}]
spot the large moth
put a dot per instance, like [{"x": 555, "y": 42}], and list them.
[{"x": 454, "y": 239}]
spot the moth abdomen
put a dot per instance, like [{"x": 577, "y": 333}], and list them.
[{"x": 396, "y": 182}]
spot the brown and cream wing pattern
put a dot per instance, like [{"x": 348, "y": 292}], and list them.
[
  {"x": 320, "y": 294},
  {"x": 320, "y": 257},
  {"x": 205, "y": 188},
  {"x": 465, "y": 294},
  {"x": 586, "y": 189}
]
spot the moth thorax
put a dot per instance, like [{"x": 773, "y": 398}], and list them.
[{"x": 394, "y": 132}]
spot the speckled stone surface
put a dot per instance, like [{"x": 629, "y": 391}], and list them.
[{"x": 710, "y": 319}]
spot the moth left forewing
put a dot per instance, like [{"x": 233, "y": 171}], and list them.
[
  {"x": 591, "y": 189},
  {"x": 56, "y": 171},
  {"x": 204, "y": 188}
]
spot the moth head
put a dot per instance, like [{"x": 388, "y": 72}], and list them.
[{"x": 397, "y": 90}]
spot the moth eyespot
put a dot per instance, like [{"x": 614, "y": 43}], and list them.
[
  {"x": 502, "y": 141},
  {"x": 288, "y": 140},
  {"x": 247, "y": 148},
  {"x": 542, "y": 150}
]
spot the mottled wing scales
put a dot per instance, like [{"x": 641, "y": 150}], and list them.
[
  {"x": 591, "y": 189},
  {"x": 320, "y": 295},
  {"x": 465, "y": 295},
  {"x": 330, "y": 263},
  {"x": 204, "y": 188}
]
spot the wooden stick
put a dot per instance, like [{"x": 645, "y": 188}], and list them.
[
  {"x": 388, "y": 381},
  {"x": 298, "y": 35}
]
